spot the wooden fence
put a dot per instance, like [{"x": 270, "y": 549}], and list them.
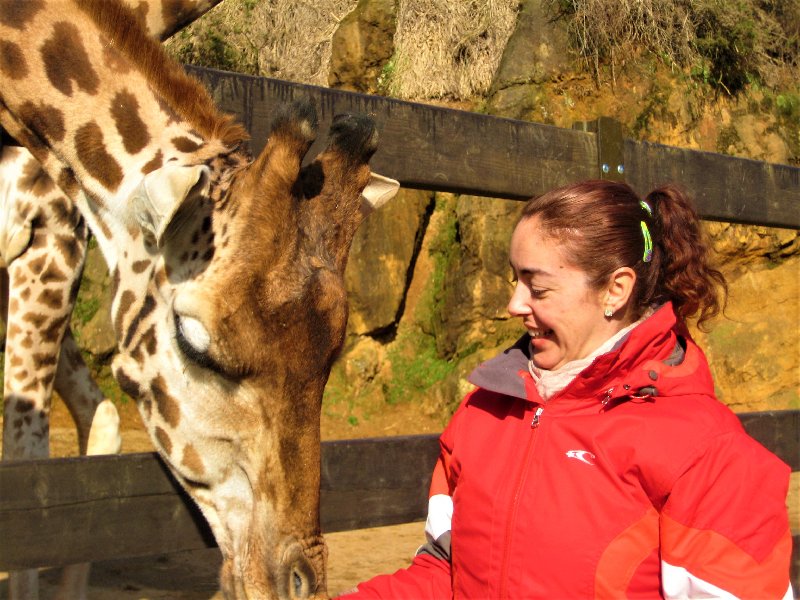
[{"x": 61, "y": 511}]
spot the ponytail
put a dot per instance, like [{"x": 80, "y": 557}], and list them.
[{"x": 685, "y": 275}]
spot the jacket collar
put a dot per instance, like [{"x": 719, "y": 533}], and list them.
[{"x": 658, "y": 358}]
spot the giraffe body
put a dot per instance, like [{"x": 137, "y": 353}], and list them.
[{"x": 229, "y": 305}]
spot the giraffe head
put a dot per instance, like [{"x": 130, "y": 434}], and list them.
[
  {"x": 243, "y": 312},
  {"x": 229, "y": 303}
]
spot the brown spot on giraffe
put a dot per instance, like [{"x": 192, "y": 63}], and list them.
[
  {"x": 95, "y": 158},
  {"x": 125, "y": 303},
  {"x": 126, "y": 384},
  {"x": 42, "y": 359},
  {"x": 67, "y": 182},
  {"x": 37, "y": 265},
  {"x": 65, "y": 60},
  {"x": 70, "y": 249},
  {"x": 35, "y": 180},
  {"x": 125, "y": 112},
  {"x": 12, "y": 60},
  {"x": 54, "y": 330},
  {"x": 184, "y": 144},
  {"x": 17, "y": 13},
  {"x": 63, "y": 212},
  {"x": 52, "y": 274},
  {"x": 154, "y": 163},
  {"x": 167, "y": 405},
  {"x": 192, "y": 461},
  {"x": 148, "y": 306},
  {"x": 140, "y": 266},
  {"x": 163, "y": 440},
  {"x": 44, "y": 119},
  {"x": 39, "y": 239},
  {"x": 149, "y": 341}
]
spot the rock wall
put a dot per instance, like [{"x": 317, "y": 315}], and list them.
[{"x": 464, "y": 279}]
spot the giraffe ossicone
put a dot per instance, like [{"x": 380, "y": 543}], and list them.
[{"x": 252, "y": 251}]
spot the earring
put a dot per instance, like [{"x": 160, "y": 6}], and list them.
[{"x": 608, "y": 312}]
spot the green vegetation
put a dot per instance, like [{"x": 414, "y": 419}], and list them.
[
  {"x": 416, "y": 367},
  {"x": 85, "y": 309}
]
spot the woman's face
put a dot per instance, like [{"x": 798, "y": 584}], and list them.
[{"x": 563, "y": 315}]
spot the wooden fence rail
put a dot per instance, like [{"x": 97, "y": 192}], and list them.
[
  {"x": 55, "y": 512},
  {"x": 432, "y": 148}
]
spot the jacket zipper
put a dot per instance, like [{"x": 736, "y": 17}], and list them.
[{"x": 515, "y": 502}]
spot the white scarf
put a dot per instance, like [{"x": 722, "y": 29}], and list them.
[{"x": 549, "y": 383}]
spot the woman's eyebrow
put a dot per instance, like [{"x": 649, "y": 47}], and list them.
[{"x": 529, "y": 271}]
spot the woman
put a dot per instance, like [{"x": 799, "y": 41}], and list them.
[{"x": 593, "y": 460}]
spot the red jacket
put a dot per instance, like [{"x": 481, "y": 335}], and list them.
[{"x": 632, "y": 482}]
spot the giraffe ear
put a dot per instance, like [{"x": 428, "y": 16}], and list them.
[
  {"x": 378, "y": 192},
  {"x": 161, "y": 195}
]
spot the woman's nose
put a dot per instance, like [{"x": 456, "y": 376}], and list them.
[{"x": 517, "y": 307}]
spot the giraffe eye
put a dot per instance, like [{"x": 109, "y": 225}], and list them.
[
  {"x": 193, "y": 340},
  {"x": 194, "y": 333}
]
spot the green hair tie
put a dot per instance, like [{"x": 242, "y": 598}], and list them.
[
  {"x": 646, "y": 206},
  {"x": 648, "y": 243}
]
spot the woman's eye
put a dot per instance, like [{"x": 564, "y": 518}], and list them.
[{"x": 538, "y": 292}]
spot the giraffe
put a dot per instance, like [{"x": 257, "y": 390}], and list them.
[
  {"x": 43, "y": 242},
  {"x": 229, "y": 304}
]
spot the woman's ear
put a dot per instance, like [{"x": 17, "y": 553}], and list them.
[{"x": 619, "y": 289}]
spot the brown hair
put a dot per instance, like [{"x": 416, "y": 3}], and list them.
[{"x": 600, "y": 224}]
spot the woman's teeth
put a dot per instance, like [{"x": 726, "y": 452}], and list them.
[{"x": 537, "y": 333}]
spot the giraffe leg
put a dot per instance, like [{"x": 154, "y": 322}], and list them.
[
  {"x": 41, "y": 288},
  {"x": 29, "y": 374},
  {"x": 97, "y": 422}
]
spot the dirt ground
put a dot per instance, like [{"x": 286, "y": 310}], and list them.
[{"x": 353, "y": 556}]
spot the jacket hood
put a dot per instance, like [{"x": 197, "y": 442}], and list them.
[{"x": 658, "y": 358}]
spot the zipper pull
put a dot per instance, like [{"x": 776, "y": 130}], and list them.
[{"x": 536, "y": 416}]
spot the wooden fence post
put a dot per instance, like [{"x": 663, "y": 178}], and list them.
[{"x": 610, "y": 146}]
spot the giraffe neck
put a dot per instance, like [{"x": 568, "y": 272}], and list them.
[{"x": 104, "y": 108}]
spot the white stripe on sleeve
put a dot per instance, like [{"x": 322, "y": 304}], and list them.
[{"x": 440, "y": 515}]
